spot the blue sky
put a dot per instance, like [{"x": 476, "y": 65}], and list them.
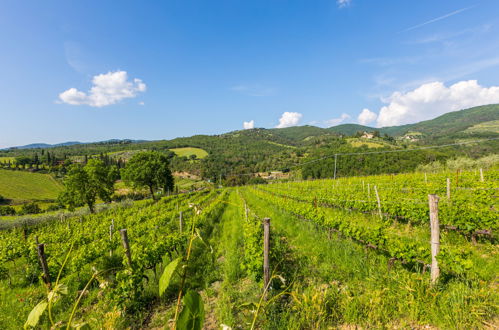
[{"x": 95, "y": 70}]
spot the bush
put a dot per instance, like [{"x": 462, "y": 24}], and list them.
[
  {"x": 7, "y": 210},
  {"x": 54, "y": 207},
  {"x": 30, "y": 208}
]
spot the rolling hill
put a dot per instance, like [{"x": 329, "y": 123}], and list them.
[{"x": 260, "y": 149}]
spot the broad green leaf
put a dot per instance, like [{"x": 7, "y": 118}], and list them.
[
  {"x": 34, "y": 315},
  {"x": 192, "y": 315},
  {"x": 164, "y": 281}
]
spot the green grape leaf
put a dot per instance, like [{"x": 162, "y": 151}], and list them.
[
  {"x": 35, "y": 314},
  {"x": 192, "y": 315},
  {"x": 164, "y": 281}
]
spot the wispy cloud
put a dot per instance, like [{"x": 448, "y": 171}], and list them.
[
  {"x": 343, "y": 3},
  {"x": 253, "y": 89},
  {"x": 439, "y": 37},
  {"x": 437, "y": 19}
]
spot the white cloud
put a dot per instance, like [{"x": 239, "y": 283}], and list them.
[
  {"x": 337, "y": 121},
  {"x": 343, "y": 3},
  {"x": 434, "y": 99},
  {"x": 142, "y": 103},
  {"x": 289, "y": 119},
  {"x": 366, "y": 117},
  {"x": 107, "y": 89},
  {"x": 249, "y": 124}
]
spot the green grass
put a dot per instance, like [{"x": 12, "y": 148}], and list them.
[
  {"x": 7, "y": 159},
  {"x": 186, "y": 152},
  {"x": 21, "y": 186},
  {"x": 354, "y": 142},
  {"x": 488, "y": 126},
  {"x": 184, "y": 184}
]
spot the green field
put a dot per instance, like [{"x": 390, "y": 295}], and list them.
[
  {"x": 354, "y": 142},
  {"x": 488, "y": 126},
  {"x": 21, "y": 186},
  {"x": 7, "y": 159},
  {"x": 186, "y": 152}
]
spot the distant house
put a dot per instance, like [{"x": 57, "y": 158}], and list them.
[{"x": 367, "y": 135}]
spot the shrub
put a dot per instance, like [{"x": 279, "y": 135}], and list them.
[
  {"x": 7, "y": 210},
  {"x": 30, "y": 208}
]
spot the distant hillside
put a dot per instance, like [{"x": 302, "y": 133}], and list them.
[
  {"x": 457, "y": 121},
  {"x": 72, "y": 143},
  {"x": 260, "y": 149},
  {"x": 350, "y": 129},
  {"x": 46, "y": 145},
  {"x": 443, "y": 126},
  {"x": 299, "y": 133}
]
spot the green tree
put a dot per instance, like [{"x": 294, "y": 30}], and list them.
[
  {"x": 149, "y": 169},
  {"x": 83, "y": 184}
]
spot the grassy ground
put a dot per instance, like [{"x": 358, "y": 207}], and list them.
[
  {"x": 354, "y": 142},
  {"x": 21, "y": 186},
  {"x": 186, "y": 152},
  {"x": 489, "y": 126},
  {"x": 190, "y": 184},
  {"x": 7, "y": 159}
]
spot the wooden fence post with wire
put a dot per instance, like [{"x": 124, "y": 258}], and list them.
[{"x": 435, "y": 237}]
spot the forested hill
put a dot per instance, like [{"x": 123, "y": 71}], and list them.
[
  {"x": 449, "y": 124},
  {"x": 262, "y": 150}
]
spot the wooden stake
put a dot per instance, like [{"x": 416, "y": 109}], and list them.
[
  {"x": 246, "y": 211},
  {"x": 435, "y": 237},
  {"x": 111, "y": 230},
  {"x": 481, "y": 175},
  {"x": 43, "y": 262},
  {"x": 180, "y": 222},
  {"x": 425, "y": 178},
  {"x": 379, "y": 202},
  {"x": 368, "y": 192},
  {"x": 448, "y": 189},
  {"x": 126, "y": 246},
  {"x": 266, "y": 248}
]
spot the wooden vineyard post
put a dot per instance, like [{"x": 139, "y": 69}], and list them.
[
  {"x": 180, "y": 222},
  {"x": 481, "y": 175},
  {"x": 425, "y": 178},
  {"x": 448, "y": 189},
  {"x": 43, "y": 262},
  {"x": 111, "y": 230},
  {"x": 435, "y": 236},
  {"x": 126, "y": 246},
  {"x": 368, "y": 192},
  {"x": 266, "y": 248},
  {"x": 379, "y": 202}
]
